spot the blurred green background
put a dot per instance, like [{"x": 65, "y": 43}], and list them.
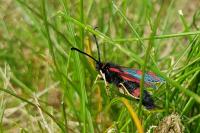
[{"x": 44, "y": 87}]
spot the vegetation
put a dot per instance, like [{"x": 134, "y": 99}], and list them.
[{"x": 45, "y": 87}]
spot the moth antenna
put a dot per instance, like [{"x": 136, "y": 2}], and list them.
[
  {"x": 85, "y": 54},
  {"x": 95, "y": 38}
]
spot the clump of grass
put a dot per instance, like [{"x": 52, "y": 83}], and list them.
[
  {"x": 47, "y": 88},
  {"x": 171, "y": 123}
]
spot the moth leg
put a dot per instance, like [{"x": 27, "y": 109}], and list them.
[
  {"x": 126, "y": 91},
  {"x": 106, "y": 84},
  {"x": 97, "y": 78}
]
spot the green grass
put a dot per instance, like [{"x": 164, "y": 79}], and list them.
[{"x": 45, "y": 87}]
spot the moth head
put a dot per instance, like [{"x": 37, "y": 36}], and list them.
[{"x": 99, "y": 66}]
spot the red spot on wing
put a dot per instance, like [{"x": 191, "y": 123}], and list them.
[
  {"x": 136, "y": 92},
  {"x": 139, "y": 72},
  {"x": 112, "y": 69},
  {"x": 153, "y": 75}
]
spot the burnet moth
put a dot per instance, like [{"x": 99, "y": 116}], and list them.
[{"x": 127, "y": 79}]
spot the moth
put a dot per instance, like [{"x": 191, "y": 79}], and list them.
[{"x": 127, "y": 79}]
